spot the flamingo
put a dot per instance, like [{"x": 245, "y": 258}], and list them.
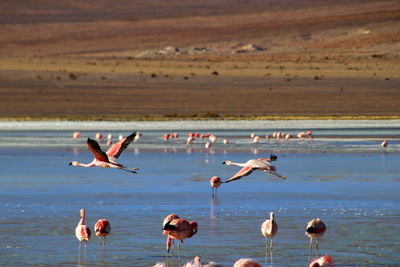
[
  {"x": 108, "y": 159},
  {"x": 102, "y": 228},
  {"x": 226, "y": 141},
  {"x": 82, "y": 232},
  {"x": 252, "y": 165},
  {"x": 384, "y": 143},
  {"x": 99, "y": 136},
  {"x": 76, "y": 135},
  {"x": 215, "y": 182},
  {"x": 315, "y": 228},
  {"x": 246, "y": 263},
  {"x": 167, "y": 219},
  {"x": 325, "y": 261},
  {"x": 207, "y": 145},
  {"x": 137, "y": 137},
  {"x": 269, "y": 228},
  {"x": 179, "y": 229}
]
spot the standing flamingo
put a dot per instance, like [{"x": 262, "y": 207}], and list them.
[
  {"x": 102, "y": 228},
  {"x": 315, "y": 228},
  {"x": 215, "y": 182},
  {"x": 252, "y": 165},
  {"x": 167, "y": 219},
  {"x": 82, "y": 232},
  {"x": 76, "y": 135},
  {"x": 269, "y": 228},
  {"x": 108, "y": 159},
  {"x": 179, "y": 229}
]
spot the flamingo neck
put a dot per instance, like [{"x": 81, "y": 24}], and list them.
[
  {"x": 238, "y": 164},
  {"x": 88, "y": 165}
]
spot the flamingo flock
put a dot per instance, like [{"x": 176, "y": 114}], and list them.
[{"x": 177, "y": 228}]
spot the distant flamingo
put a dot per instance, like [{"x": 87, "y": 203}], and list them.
[
  {"x": 269, "y": 228},
  {"x": 256, "y": 139},
  {"x": 315, "y": 228},
  {"x": 215, "y": 182},
  {"x": 252, "y": 165},
  {"x": 137, "y": 137},
  {"x": 246, "y": 263},
  {"x": 108, "y": 159},
  {"x": 102, "y": 228},
  {"x": 167, "y": 219},
  {"x": 76, "y": 135},
  {"x": 99, "y": 136},
  {"x": 82, "y": 232},
  {"x": 226, "y": 141},
  {"x": 179, "y": 229},
  {"x": 384, "y": 143},
  {"x": 324, "y": 261},
  {"x": 207, "y": 145}
]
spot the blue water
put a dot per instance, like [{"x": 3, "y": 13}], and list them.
[{"x": 343, "y": 177}]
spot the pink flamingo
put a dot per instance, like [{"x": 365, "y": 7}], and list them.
[
  {"x": 215, "y": 182},
  {"x": 179, "y": 229},
  {"x": 167, "y": 219},
  {"x": 137, "y": 137},
  {"x": 256, "y": 139},
  {"x": 108, "y": 159},
  {"x": 315, "y": 228},
  {"x": 325, "y": 261},
  {"x": 226, "y": 141},
  {"x": 82, "y": 232},
  {"x": 99, "y": 136},
  {"x": 252, "y": 165},
  {"x": 246, "y": 263},
  {"x": 384, "y": 143},
  {"x": 102, "y": 228},
  {"x": 76, "y": 135},
  {"x": 269, "y": 228}
]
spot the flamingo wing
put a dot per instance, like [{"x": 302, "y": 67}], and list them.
[
  {"x": 277, "y": 174},
  {"x": 246, "y": 170},
  {"x": 96, "y": 150},
  {"x": 116, "y": 150}
]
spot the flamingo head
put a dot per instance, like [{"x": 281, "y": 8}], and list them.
[
  {"x": 271, "y": 216},
  {"x": 227, "y": 162},
  {"x": 194, "y": 226},
  {"x": 73, "y": 163},
  {"x": 273, "y": 157},
  {"x": 82, "y": 211}
]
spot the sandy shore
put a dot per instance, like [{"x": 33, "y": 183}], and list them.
[{"x": 269, "y": 60}]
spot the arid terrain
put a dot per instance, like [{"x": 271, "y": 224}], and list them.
[{"x": 170, "y": 59}]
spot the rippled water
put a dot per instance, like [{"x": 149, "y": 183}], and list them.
[{"x": 343, "y": 176}]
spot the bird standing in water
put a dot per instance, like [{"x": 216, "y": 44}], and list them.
[
  {"x": 102, "y": 228},
  {"x": 215, "y": 182},
  {"x": 82, "y": 232},
  {"x": 179, "y": 229},
  {"x": 269, "y": 228},
  {"x": 107, "y": 159},
  {"x": 315, "y": 229}
]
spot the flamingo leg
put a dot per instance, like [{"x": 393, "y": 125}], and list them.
[
  {"x": 266, "y": 251},
  {"x": 104, "y": 245},
  {"x": 270, "y": 249},
  {"x": 309, "y": 250},
  {"x": 179, "y": 250},
  {"x": 317, "y": 247}
]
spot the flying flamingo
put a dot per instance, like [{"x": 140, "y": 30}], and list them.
[
  {"x": 246, "y": 263},
  {"x": 215, "y": 182},
  {"x": 252, "y": 165},
  {"x": 102, "y": 228},
  {"x": 269, "y": 228},
  {"x": 315, "y": 228},
  {"x": 82, "y": 232},
  {"x": 108, "y": 159},
  {"x": 179, "y": 229},
  {"x": 325, "y": 261}
]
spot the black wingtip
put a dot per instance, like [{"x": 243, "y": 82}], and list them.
[
  {"x": 273, "y": 157},
  {"x": 224, "y": 162},
  {"x": 70, "y": 164}
]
